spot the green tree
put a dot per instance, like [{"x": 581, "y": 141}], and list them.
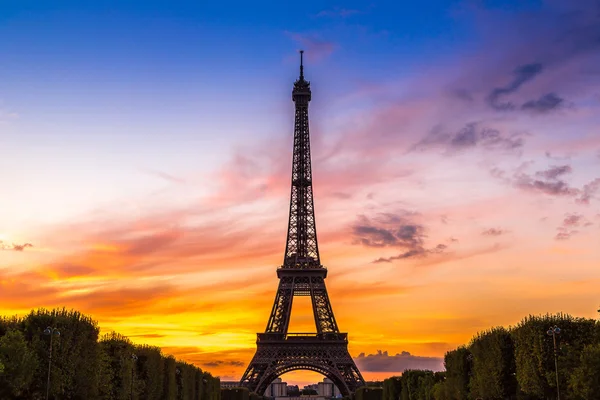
[
  {"x": 426, "y": 383},
  {"x": 236, "y": 393},
  {"x": 186, "y": 381},
  {"x": 213, "y": 387},
  {"x": 19, "y": 362},
  {"x": 534, "y": 353},
  {"x": 117, "y": 366},
  {"x": 417, "y": 385},
  {"x": 440, "y": 392},
  {"x": 169, "y": 382},
  {"x": 200, "y": 387},
  {"x": 368, "y": 393},
  {"x": 493, "y": 374},
  {"x": 458, "y": 373},
  {"x": 75, "y": 353},
  {"x": 392, "y": 388},
  {"x": 85, "y": 368},
  {"x": 150, "y": 372},
  {"x": 585, "y": 380}
]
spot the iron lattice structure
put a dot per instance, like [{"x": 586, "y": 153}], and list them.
[{"x": 302, "y": 274}]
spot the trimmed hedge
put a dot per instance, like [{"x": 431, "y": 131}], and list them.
[
  {"x": 513, "y": 363},
  {"x": 85, "y": 366}
]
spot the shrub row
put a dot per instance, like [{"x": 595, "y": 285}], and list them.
[
  {"x": 86, "y": 367},
  {"x": 513, "y": 363}
]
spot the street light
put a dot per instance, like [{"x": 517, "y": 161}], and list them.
[
  {"x": 49, "y": 331},
  {"x": 179, "y": 381},
  {"x": 553, "y": 332},
  {"x": 134, "y": 359}
]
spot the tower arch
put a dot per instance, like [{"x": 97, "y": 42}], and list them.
[{"x": 307, "y": 366}]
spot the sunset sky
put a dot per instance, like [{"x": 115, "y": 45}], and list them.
[{"x": 145, "y": 158}]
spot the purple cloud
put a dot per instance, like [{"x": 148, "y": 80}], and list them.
[
  {"x": 544, "y": 104},
  {"x": 493, "y": 232},
  {"x": 554, "y": 172},
  {"x": 589, "y": 191},
  {"x": 571, "y": 221},
  {"x": 521, "y": 75},
  {"x": 470, "y": 136},
  {"x": 14, "y": 246},
  {"x": 394, "y": 230},
  {"x": 383, "y": 362}
]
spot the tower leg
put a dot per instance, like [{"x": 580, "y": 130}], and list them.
[{"x": 282, "y": 308}]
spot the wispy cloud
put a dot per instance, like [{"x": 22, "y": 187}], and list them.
[
  {"x": 589, "y": 191},
  {"x": 164, "y": 175},
  {"x": 316, "y": 48},
  {"x": 551, "y": 181},
  {"x": 555, "y": 171},
  {"x": 566, "y": 230},
  {"x": 338, "y": 12},
  {"x": 546, "y": 103},
  {"x": 521, "y": 75},
  {"x": 471, "y": 136},
  {"x": 14, "y": 246},
  {"x": 493, "y": 232},
  {"x": 571, "y": 225}
]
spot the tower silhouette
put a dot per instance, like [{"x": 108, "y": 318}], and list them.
[{"x": 302, "y": 274}]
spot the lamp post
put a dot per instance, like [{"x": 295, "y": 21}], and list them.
[
  {"x": 179, "y": 382},
  {"x": 49, "y": 331},
  {"x": 555, "y": 330},
  {"x": 133, "y": 359}
]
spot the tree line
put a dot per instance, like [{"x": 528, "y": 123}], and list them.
[
  {"x": 515, "y": 363},
  {"x": 60, "y": 351}
]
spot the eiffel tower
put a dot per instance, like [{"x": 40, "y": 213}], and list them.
[{"x": 279, "y": 351}]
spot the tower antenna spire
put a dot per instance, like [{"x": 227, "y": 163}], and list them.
[{"x": 301, "y": 65}]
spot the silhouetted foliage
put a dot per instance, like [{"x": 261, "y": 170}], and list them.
[
  {"x": 253, "y": 396},
  {"x": 368, "y": 393},
  {"x": 18, "y": 361},
  {"x": 513, "y": 363},
  {"x": 458, "y": 373},
  {"x": 534, "y": 353},
  {"x": 585, "y": 380},
  {"x": 417, "y": 385},
  {"x": 169, "y": 384},
  {"x": 236, "y": 393},
  {"x": 212, "y": 387},
  {"x": 84, "y": 368},
  {"x": 392, "y": 388},
  {"x": 440, "y": 391},
  {"x": 117, "y": 367},
  {"x": 75, "y": 352},
  {"x": 149, "y": 372},
  {"x": 493, "y": 367}
]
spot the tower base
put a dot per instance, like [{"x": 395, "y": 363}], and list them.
[{"x": 277, "y": 354}]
